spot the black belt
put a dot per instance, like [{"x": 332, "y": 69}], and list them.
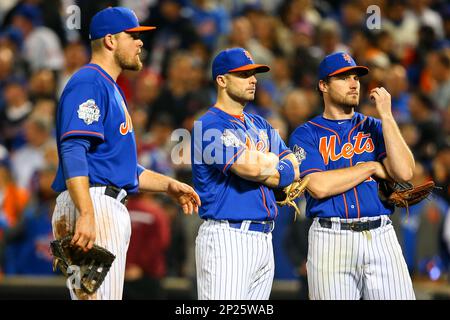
[
  {"x": 112, "y": 191},
  {"x": 260, "y": 226},
  {"x": 354, "y": 226}
]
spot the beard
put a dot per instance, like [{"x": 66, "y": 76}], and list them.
[
  {"x": 128, "y": 63},
  {"x": 345, "y": 102}
]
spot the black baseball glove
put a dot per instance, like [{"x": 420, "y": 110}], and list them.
[{"x": 93, "y": 265}]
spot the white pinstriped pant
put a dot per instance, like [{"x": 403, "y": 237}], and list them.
[
  {"x": 349, "y": 265},
  {"x": 113, "y": 231},
  {"x": 233, "y": 264}
]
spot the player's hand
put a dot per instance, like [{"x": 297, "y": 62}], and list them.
[
  {"x": 84, "y": 236},
  {"x": 185, "y": 195},
  {"x": 380, "y": 171},
  {"x": 382, "y": 100}
]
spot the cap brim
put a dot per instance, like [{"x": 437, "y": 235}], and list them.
[
  {"x": 258, "y": 67},
  {"x": 362, "y": 71},
  {"x": 140, "y": 29}
]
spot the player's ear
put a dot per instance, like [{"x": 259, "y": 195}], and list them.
[
  {"x": 109, "y": 41},
  {"x": 323, "y": 86},
  {"x": 221, "y": 82}
]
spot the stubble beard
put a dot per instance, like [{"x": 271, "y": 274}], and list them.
[
  {"x": 125, "y": 63},
  {"x": 345, "y": 103}
]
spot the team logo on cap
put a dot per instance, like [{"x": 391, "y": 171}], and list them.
[
  {"x": 88, "y": 111},
  {"x": 347, "y": 58},
  {"x": 248, "y": 55}
]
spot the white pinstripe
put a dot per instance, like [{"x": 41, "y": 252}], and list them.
[
  {"x": 113, "y": 231},
  {"x": 233, "y": 264},
  {"x": 349, "y": 265}
]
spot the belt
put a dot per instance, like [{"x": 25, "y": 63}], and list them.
[
  {"x": 112, "y": 191},
  {"x": 354, "y": 226},
  {"x": 260, "y": 226}
]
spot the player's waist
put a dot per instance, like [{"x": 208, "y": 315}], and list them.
[
  {"x": 113, "y": 192},
  {"x": 358, "y": 225},
  {"x": 248, "y": 225}
]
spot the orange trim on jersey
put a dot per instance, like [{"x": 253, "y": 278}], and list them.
[
  {"x": 357, "y": 202},
  {"x": 313, "y": 169},
  {"x": 283, "y": 153},
  {"x": 337, "y": 135},
  {"x": 229, "y": 161},
  {"x": 100, "y": 71},
  {"x": 345, "y": 204},
  {"x": 211, "y": 112},
  {"x": 264, "y": 201},
  {"x": 83, "y": 131}
]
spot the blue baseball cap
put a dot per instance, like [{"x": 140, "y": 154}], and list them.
[
  {"x": 234, "y": 60},
  {"x": 113, "y": 20},
  {"x": 339, "y": 62}
]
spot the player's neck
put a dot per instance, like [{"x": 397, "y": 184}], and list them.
[
  {"x": 332, "y": 112},
  {"x": 229, "y": 106},
  {"x": 106, "y": 64}
]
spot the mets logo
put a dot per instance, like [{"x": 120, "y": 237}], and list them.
[
  {"x": 327, "y": 147},
  {"x": 126, "y": 126},
  {"x": 248, "y": 55},
  {"x": 347, "y": 58}
]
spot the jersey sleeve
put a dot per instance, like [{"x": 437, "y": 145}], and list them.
[
  {"x": 82, "y": 110},
  {"x": 380, "y": 147},
  {"x": 307, "y": 153},
  {"x": 220, "y": 146}
]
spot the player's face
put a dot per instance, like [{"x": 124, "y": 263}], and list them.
[
  {"x": 241, "y": 86},
  {"x": 343, "y": 89},
  {"x": 128, "y": 51}
]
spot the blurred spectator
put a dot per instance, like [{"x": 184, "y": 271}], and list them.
[
  {"x": 174, "y": 32},
  {"x": 6, "y": 70},
  {"x": 441, "y": 172},
  {"x": 18, "y": 107},
  {"x": 282, "y": 79},
  {"x": 421, "y": 12},
  {"x": 396, "y": 83},
  {"x": 146, "y": 268},
  {"x": 75, "y": 56},
  {"x": 27, "y": 251},
  {"x": 147, "y": 89},
  {"x": 30, "y": 157},
  {"x": 438, "y": 64},
  {"x": 402, "y": 26},
  {"x": 296, "y": 109},
  {"x": 13, "y": 200},
  {"x": 42, "y": 47},
  {"x": 43, "y": 85},
  {"x": 428, "y": 125},
  {"x": 330, "y": 38},
  {"x": 210, "y": 20},
  {"x": 176, "y": 99}
]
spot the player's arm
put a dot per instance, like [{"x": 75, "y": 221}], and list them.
[
  {"x": 73, "y": 157},
  {"x": 333, "y": 182},
  {"x": 399, "y": 161},
  {"x": 265, "y": 168},
  {"x": 184, "y": 194}
]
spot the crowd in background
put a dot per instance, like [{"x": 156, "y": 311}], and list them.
[{"x": 408, "y": 54}]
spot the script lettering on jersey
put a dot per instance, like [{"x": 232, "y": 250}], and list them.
[
  {"x": 327, "y": 147},
  {"x": 126, "y": 126}
]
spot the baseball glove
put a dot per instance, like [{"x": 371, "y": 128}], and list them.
[
  {"x": 288, "y": 195},
  {"x": 93, "y": 266},
  {"x": 404, "y": 194}
]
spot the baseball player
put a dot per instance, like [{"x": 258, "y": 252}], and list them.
[
  {"x": 353, "y": 250},
  {"x": 236, "y": 157},
  {"x": 97, "y": 150}
]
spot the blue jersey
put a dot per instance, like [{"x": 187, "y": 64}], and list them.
[
  {"x": 323, "y": 145},
  {"x": 218, "y": 140},
  {"x": 92, "y": 105}
]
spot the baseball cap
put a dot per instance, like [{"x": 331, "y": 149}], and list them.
[
  {"x": 113, "y": 20},
  {"x": 234, "y": 60},
  {"x": 339, "y": 62}
]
